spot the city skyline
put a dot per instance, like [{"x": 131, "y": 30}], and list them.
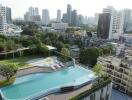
[{"x": 86, "y": 8}]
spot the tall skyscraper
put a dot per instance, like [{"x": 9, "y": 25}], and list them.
[
  {"x": 127, "y": 19},
  {"x": 36, "y": 11},
  {"x": 80, "y": 20},
  {"x": 58, "y": 19},
  {"x": 104, "y": 25},
  {"x": 45, "y": 17},
  {"x": 3, "y": 23},
  {"x": 69, "y": 13},
  {"x": 74, "y": 18},
  {"x": 31, "y": 11},
  {"x": 8, "y": 15},
  {"x": 116, "y": 23}
]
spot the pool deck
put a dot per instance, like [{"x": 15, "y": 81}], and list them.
[{"x": 68, "y": 95}]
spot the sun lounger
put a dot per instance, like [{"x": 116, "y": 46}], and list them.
[{"x": 61, "y": 64}]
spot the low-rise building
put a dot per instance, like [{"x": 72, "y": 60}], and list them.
[
  {"x": 120, "y": 69},
  {"x": 59, "y": 26},
  {"x": 13, "y": 30}
]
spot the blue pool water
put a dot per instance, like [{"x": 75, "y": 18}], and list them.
[{"x": 34, "y": 84}]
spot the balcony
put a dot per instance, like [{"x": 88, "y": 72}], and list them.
[
  {"x": 120, "y": 70},
  {"x": 110, "y": 72},
  {"x": 124, "y": 66},
  {"x": 126, "y": 72},
  {"x": 117, "y": 80},
  {"x": 110, "y": 66},
  {"x": 117, "y": 75}
]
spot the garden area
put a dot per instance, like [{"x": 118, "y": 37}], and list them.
[{"x": 19, "y": 61}]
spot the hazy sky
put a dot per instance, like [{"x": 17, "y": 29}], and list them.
[{"x": 84, "y": 7}]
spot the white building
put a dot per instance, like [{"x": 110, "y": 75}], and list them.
[
  {"x": 13, "y": 30},
  {"x": 116, "y": 22},
  {"x": 45, "y": 17},
  {"x": 59, "y": 25},
  {"x": 3, "y": 23},
  {"x": 58, "y": 19}
]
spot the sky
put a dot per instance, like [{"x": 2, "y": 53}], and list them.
[{"x": 84, "y": 7}]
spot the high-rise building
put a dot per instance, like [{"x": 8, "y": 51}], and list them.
[
  {"x": 69, "y": 13},
  {"x": 36, "y": 11},
  {"x": 3, "y": 23},
  {"x": 127, "y": 19},
  {"x": 8, "y": 15},
  {"x": 27, "y": 17},
  {"x": 64, "y": 18},
  {"x": 31, "y": 11},
  {"x": 58, "y": 19},
  {"x": 45, "y": 17},
  {"x": 79, "y": 20},
  {"x": 74, "y": 18},
  {"x": 32, "y": 15},
  {"x": 103, "y": 25},
  {"x": 116, "y": 23}
]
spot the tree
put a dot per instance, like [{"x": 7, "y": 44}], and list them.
[
  {"x": 8, "y": 70},
  {"x": 89, "y": 56},
  {"x": 65, "y": 53},
  {"x": 59, "y": 45},
  {"x": 97, "y": 69}
]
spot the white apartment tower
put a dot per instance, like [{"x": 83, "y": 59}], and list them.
[
  {"x": 58, "y": 16},
  {"x": 3, "y": 24},
  {"x": 116, "y": 22},
  {"x": 45, "y": 17}
]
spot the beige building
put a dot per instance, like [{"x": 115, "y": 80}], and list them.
[{"x": 120, "y": 69}]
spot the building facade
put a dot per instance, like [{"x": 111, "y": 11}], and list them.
[
  {"x": 116, "y": 22},
  {"x": 120, "y": 69},
  {"x": 103, "y": 25},
  {"x": 32, "y": 15},
  {"x": 3, "y": 22},
  {"x": 127, "y": 19},
  {"x": 45, "y": 17},
  {"x": 58, "y": 19},
  {"x": 8, "y": 15}
]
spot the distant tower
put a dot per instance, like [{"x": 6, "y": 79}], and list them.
[
  {"x": 8, "y": 15},
  {"x": 58, "y": 16},
  {"x": 69, "y": 13},
  {"x": 36, "y": 11},
  {"x": 45, "y": 17}
]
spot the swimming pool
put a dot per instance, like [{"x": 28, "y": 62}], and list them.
[{"x": 34, "y": 85}]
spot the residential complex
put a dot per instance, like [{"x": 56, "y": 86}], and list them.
[{"x": 120, "y": 69}]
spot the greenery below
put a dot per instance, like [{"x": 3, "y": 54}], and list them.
[
  {"x": 89, "y": 55},
  {"x": 19, "y": 61},
  {"x": 7, "y": 82}
]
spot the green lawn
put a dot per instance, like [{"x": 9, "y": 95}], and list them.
[{"x": 19, "y": 61}]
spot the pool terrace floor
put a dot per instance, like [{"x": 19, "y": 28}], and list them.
[{"x": 68, "y": 95}]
